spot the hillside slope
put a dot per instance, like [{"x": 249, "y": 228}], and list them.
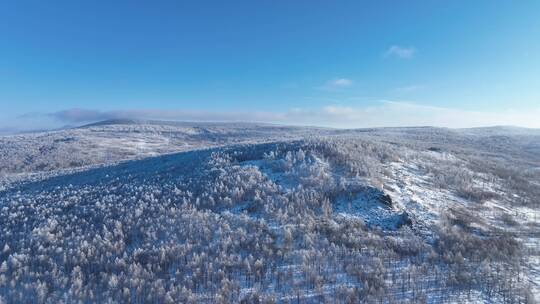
[{"x": 107, "y": 142}]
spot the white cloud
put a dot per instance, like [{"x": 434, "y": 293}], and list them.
[
  {"x": 395, "y": 114},
  {"x": 408, "y": 89},
  {"x": 380, "y": 114},
  {"x": 84, "y": 115},
  {"x": 342, "y": 82},
  {"x": 337, "y": 84},
  {"x": 400, "y": 52}
]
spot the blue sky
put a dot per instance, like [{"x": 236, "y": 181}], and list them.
[{"x": 330, "y": 63}]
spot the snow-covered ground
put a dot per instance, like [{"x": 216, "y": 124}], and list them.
[
  {"x": 267, "y": 213},
  {"x": 112, "y": 141}
]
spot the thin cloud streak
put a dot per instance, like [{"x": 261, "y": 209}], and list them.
[
  {"x": 337, "y": 84},
  {"x": 400, "y": 52},
  {"x": 85, "y": 115},
  {"x": 381, "y": 114},
  {"x": 408, "y": 89}
]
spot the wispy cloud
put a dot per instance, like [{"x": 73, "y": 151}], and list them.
[
  {"x": 379, "y": 114},
  {"x": 397, "y": 113},
  {"x": 80, "y": 116},
  {"x": 400, "y": 52},
  {"x": 408, "y": 89},
  {"x": 337, "y": 84},
  {"x": 83, "y": 115}
]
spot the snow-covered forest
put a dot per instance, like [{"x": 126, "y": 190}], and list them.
[{"x": 130, "y": 212}]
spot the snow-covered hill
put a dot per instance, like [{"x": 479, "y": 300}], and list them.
[
  {"x": 111, "y": 141},
  {"x": 274, "y": 214}
]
